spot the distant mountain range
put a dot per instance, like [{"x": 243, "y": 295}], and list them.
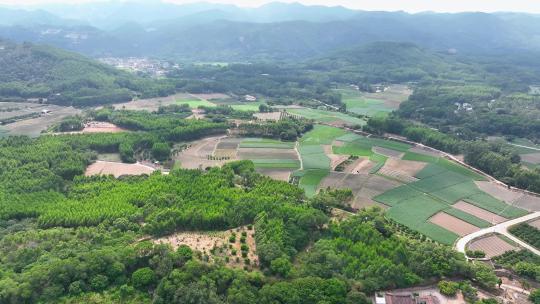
[{"x": 204, "y": 31}]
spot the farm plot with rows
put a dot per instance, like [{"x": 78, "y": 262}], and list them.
[
  {"x": 492, "y": 245},
  {"x": 445, "y": 198}
]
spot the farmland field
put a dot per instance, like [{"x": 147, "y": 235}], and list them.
[
  {"x": 337, "y": 118},
  {"x": 453, "y": 224},
  {"x": 34, "y": 126},
  {"x": 492, "y": 245},
  {"x": 374, "y": 104},
  {"x": 311, "y": 179},
  {"x": 266, "y": 143}
]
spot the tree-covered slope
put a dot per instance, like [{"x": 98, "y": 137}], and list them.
[{"x": 37, "y": 71}]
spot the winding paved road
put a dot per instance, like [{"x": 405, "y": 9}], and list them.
[{"x": 501, "y": 228}]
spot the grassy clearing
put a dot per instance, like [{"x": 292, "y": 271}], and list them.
[
  {"x": 266, "y": 143},
  {"x": 311, "y": 180},
  {"x": 489, "y": 203},
  {"x": 321, "y": 135},
  {"x": 327, "y": 116},
  {"x": 469, "y": 218},
  {"x": 195, "y": 103}
]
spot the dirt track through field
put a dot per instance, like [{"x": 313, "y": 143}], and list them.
[
  {"x": 479, "y": 212},
  {"x": 453, "y": 224},
  {"x": 491, "y": 245}
]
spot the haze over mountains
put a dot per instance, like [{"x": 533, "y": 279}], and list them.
[{"x": 205, "y": 31}]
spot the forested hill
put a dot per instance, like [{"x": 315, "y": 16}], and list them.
[{"x": 37, "y": 71}]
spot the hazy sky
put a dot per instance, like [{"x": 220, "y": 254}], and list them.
[{"x": 532, "y": 6}]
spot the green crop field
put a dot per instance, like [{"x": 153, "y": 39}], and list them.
[
  {"x": 456, "y": 192},
  {"x": 488, "y": 202},
  {"x": 441, "y": 186},
  {"x": 311, "y": 180},
  {"x": 321, "y": 135},
  {"x": 195, "y": 103},
  {"x": 266, "y": 143},
  {"x": 313, "y": 157},
  {"x": 469, "y": 218},
  {"x": 438, "y": 165},
  {"x": 327, "y": 116}
]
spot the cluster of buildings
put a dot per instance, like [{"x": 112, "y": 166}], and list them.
[
  {"x": 463, "y": 107},
  {"x": 152, "y": 67}
]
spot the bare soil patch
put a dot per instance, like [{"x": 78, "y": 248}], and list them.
[
  {"x": 277, "y": 174},
  {"x": 407, "y": 167},
  {"x": 211, "y": 96},
  {"x": 363, "y": 186},
  {"x": 200, "y": 153},
  {"x": 229, "y": 143},
  {"x": 533, "y": 158},
  {"x": 267, "y": 153},
  {"x": 498, "y": 191},
  {"x": 479, "y": 212},
  {"x": 360, "y": 166},
  {"x": 33, "y": 127},
  {"x": 225, "y": 153},
  {"x": 453, "y": 224},
  {"x": 117, "y": 169},
  {"x": 528, "y": 202},
  {"x": 424, "y": 151},
  {"x": 151, "y": 104},
  {"x": 101, "y": 127},
  {"x": 535, "y": 224},
  {"x": 388, "y": 152},
  {"x": 393, "y": 96},
  {"x": 492, "y": 245},
  {"x": 335, "y": 159},
  {"x": 275, "y": 116}
]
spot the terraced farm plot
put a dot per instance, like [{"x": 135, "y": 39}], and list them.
[
  {"x": 487, "y": 202},
  {"x": 498, "y": 191},
  {"x": 492, "y": 245},
  {"x": 453, "y": 224},
  {"x": 479, "y": 212},
  {"x": 456, "y": 192},
  {"x": 229, "y": 143},
  {"x": 528, "y": 202},
  {"x": 439, "y": 165},
  {"x": 363, "y": 186},
  {"x": 269, "y": 153},
  {"x": 387, "y": 152},
  {"x": 266, "y": 143},
  {"x": 275, "y": 173},
  {"x": 467, "y": 217}
]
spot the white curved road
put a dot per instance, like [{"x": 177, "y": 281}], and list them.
[{"x": 501, "y": 228}]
